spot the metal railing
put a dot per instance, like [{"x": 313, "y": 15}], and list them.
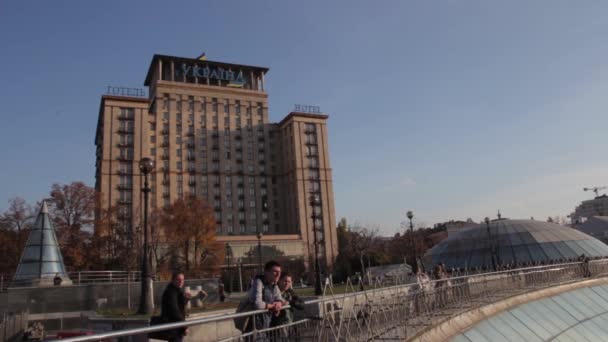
[
  {"x": 77, "y": 278},
  {"x": 389, "y": 310}
]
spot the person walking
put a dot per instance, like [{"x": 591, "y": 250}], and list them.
[{"x": 173, "y": 306}]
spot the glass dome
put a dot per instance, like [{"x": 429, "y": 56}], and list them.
[{"x": 513, "y": 242}]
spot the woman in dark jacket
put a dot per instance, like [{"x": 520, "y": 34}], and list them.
[{"x": 289, "y": 297}]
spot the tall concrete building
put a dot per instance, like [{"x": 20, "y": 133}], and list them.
[{"x": 206, "y": 126}]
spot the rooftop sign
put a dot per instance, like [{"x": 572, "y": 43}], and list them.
[
  {"x": 307, "y": 109},
  {"x": 126, "y": 91},
  {"x": 234, "y": 79}
]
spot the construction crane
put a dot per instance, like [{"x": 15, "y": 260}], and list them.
[{"x": 595, "y": 189}]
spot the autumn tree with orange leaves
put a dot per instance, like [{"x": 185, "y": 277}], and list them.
[
  {"x": 188, "y": 229},
  {"x": 72, "y": 210}
]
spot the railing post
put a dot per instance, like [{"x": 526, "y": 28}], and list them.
[
  {"x": 79, "y": 278},
  {"x": 241, "y": 277}
]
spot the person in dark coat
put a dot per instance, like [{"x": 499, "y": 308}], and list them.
[
  {"x": 289, "y": 297},
  {"x": 173, "y": 307}
]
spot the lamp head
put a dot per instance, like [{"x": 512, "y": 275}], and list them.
[
  {"x": 146, "y": 165},
  {"x": 410, "y": 215}
]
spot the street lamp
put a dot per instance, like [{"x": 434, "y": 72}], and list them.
[
  {"x": 487, "y": 220},
  {"x": 315, "y": 201},
  {"x": 228, "y": 257},
  {"x": 260, "y": 249},
  {"x": 410, "y": 216},
  {"x": 146, "y": 305}
]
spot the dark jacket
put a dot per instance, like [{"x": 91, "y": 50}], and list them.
[
  {"x": 173, "y": 307},
  {"x": 286, "y": 316}
]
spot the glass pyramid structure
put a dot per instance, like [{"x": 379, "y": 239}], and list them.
[{"x": 41, "y": 261}]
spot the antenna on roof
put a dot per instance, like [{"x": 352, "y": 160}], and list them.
[{"x": 498, "y": 214}]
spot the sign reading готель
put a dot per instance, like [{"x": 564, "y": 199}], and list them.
[{"x": 126, "y": 91}]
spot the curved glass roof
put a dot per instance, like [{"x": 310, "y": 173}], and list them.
[
  {"x": 576, "y": 316},
  {"x": 513, "y": 242}
]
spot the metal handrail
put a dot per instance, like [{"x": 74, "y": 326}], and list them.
[{"x": 432, "y": 301}]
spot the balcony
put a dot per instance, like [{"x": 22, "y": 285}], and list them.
[
  {"x": 238, "y": 137},
  {"x": 215, "y": 147},
  {"x": 190, "y": 157},
  {"x": 192, "y": 183},
  {"x": 311, "y": 142},
  {"x": 165, "y": 182},
  {"x": 190, "y": 145},
  {"x": 191, "y": 171},
  {"x": 261, "y": 139},
  {"x": 164, "y": 132},
  {"x": 164, "y": 157},
  {"x": 166, "y": 195},
  {"x": 124, "y": 187},
  {"x": 125, "y": 144},
  {"x": 125, "y": 117},
  {"x": 124, "y": 158},
  {"x": 164, "y": 144},
  {"x": 190, "y": 134},
  {"x": 124, "y": 130},
  {"x": 124, "y": 202}
]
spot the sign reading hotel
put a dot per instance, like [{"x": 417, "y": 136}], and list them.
[
  {"x": 126, "y": 91},
  {"x": 234, "y": 79},
  {"x": 307, "y": 109}
]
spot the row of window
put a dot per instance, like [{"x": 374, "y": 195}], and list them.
[{"x": 202, "y": 105}]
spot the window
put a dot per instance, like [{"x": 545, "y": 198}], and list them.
[
  {"x": 179, "y": 165},
  {"x": 178, "y": 152},
  {"x": 226, "y": 106},
  {"x": 178, "y": 116},
  {"x": 153, "y": 139},
  {"x": 166, "y": 115},
  {"x": 252, "y": 204},
  {"x": 242, "y": 228}
]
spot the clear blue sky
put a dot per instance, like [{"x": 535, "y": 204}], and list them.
[{"x": 452, "y": 108}]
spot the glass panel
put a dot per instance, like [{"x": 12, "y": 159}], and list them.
[
  {"x": 475, "y": 335},
  {"x": 487, "y": 330},
  {"x": 50, "y": 254},
  {"x": 523, "y": 330},
  {"x": 31, "y": 253},
  {"x": 533, "y": 325},
  {"x": 575, "y": 247},
  {"x": 572, "y": 335},
  {"x": 551, "y": 251},
  {"x": 571, "y": 309},
  {"x": 515, "y": 239},
  {"x": 560, "y": 312},
  {"x": 544, "y": 317},
  {"x": 586, "y": 304},
  {"x": 521, "y": 253},
  {"x": 27, "y": 271},
  {"x": 505, "y": 253},
  {"x": 505, "y": 329},
  {"x": 461, "y": 338},
  {"x": 51, "y": 268},
  {"x": 565, "y": 250},
  {"x": 49, "y": 237},
  {"x": 537, "y": 253},
  {"x": 34, "y": 238}
]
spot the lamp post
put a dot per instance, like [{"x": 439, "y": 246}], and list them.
[
  {"x": 260, "y": 250},
  {"x": 491, "y": 243},
  {"x": 228, "y": 257},
  {"x": 315, "y": 201},
  {"x": 146, "y": 305},
  {"x": 410, "y": 216}
]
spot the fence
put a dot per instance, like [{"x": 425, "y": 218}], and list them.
[
  {"x": 12, "y": 326},
  {"x": 389, "y": 310},
  {"x": 85, "y": 277}
]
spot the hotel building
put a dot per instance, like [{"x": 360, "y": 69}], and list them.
[{"x": 206, "y": 126}]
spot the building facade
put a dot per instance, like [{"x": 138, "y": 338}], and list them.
[
  {"x": 206, "y": 126},
  {"x": 589, "y": 208}
]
